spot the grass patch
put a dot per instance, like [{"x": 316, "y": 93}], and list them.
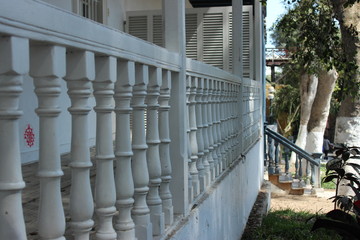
[
  {"x": 288, "y": 224},
  {"x": 328, "y": 185}
]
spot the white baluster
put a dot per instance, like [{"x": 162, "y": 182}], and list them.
[
  {"x": 80, "y": 68},
  {"x": 140, "y": 211},
  {"x": 209, "y": 111},
  {"x": 227, "y": 123},
  {"x": 222, "y": 125},
  {"x": 124, "y": 225},
  {"x": 193, "y": 141},
  {"x": 14, "y": 59},
  {"x": 216, "y": 157},
  {"x": 207, "y": 159},
  {"x": 48, "y": 68},
  {"x": 239, "y": 120},
  {"x": 218, "y": 126},
  {"x": 234, "y": 125},
  {"x": 190, "y": 184},
  {"x": 164, "y": 130},
  {"x": 105, "y": 195},
  {"x": 199, "y": 133},
  {"x": 152, "y": 154}
]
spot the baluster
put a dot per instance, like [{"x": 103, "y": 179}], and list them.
[
  {"x": 222, "y": 125},
  {"x": 277, "y": 160},
  {"x": 271, "y": 168},
  {"x": 193, "y": 141},
  {"x": 233, "y": 124},
  {"x": 286, "y": 155},
  {"x": 226, "y": 123},
  {"x": 213, "y": 157},
  {"x": 164, "y": 130},
  {"x": 140, "y": 211},
  {"x": 199, "y": 133},
  {"x": 239, "y": 120},
  {"x": 188, "y": 131},
  {"x": 124, "y": 224},
  {"x": 152, "y": 154},
  {"x": 218, "y": 126},
  {"x": 47, "y": 69},
  {"x": 14, "y": 58},
  {"x": 105, "y": 195},
  {"x": 80, "y": 71},
  {"x": 216, "y": 157},
  {"x": 207, "y": 159}
]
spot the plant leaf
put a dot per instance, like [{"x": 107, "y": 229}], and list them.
[{"x": 329, "y": 178}]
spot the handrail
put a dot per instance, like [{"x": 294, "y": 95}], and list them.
[{"x": 279, "y": 138}]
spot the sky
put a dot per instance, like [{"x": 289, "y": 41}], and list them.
[{"x": 274, "y": 9}]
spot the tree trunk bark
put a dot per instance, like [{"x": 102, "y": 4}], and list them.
[
  {"x": 308, "y": 86},
  {"x": 347, "y": 128},
  {"x": 320, "y": 111}
]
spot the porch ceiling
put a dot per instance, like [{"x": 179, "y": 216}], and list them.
[{"x": 216, "y": 3}]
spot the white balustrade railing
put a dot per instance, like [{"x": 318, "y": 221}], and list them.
[{"x": 131, "y": 197}]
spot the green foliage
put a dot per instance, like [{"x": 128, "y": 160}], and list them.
[
  {"x": 287, "y": 102},
  {"x": 337, "y": 169},
  {"x": 311, "y": 33},
  {"x": 326, "y": 185},
  {"x": 289, "y": 224}
]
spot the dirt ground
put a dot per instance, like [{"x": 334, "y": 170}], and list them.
[{"x": 309, "y": 203}]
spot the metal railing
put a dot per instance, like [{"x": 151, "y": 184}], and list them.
[{"x": 306, "y": 165}]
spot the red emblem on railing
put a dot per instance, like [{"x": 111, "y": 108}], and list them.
[{"x": 29, "y": 136}]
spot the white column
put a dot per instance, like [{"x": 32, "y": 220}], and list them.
[
  {"x": 164, "y": 131},
  {"x": 174, "y": 40},
  {"x": 152, "y": 154},
  {"x": 124, "y": 224},
  {"x": 193, "y": 141},
  {"x": 209, "y": 112},
  {"x": 188, "y": 131},
  {"x": 47, "y": 69},
  {"x": 237, "y": 37},
  {"x": 140, "y": 211},
  {"x": 80, "y": 72},
  {"x": 14, "y": 58},
  {"x": 105, "y": 194},
  {"x": 204, "y": 112}
]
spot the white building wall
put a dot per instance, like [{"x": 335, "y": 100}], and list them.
[{"x": 224, "y": 212}]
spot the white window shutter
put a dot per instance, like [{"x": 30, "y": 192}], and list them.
[
  {"x": 157, "y": 34},
  {"x": 138, "y": 27},
  {"x": 213, "y": 39},
  {"x": 191, "y": 36},
  {"x": 248, "y": 32}
]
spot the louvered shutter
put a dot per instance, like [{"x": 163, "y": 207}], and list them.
[
  {"x": 247, "y": 46},
  {"x": 191, "y": 36},
  {"x": 213, "y": 39},
  {"x": 138, "y": 27},
  {"x": 230, "y": 42},
  {"x": 157, "y": 30}
]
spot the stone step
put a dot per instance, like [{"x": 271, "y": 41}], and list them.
[{"x": 287, "y": 183}]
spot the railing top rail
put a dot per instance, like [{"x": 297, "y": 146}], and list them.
[
  {"x": 200, "y": 69},
  {"x": 282, "y": 140},
  {"x": 43, "y": 22}
]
